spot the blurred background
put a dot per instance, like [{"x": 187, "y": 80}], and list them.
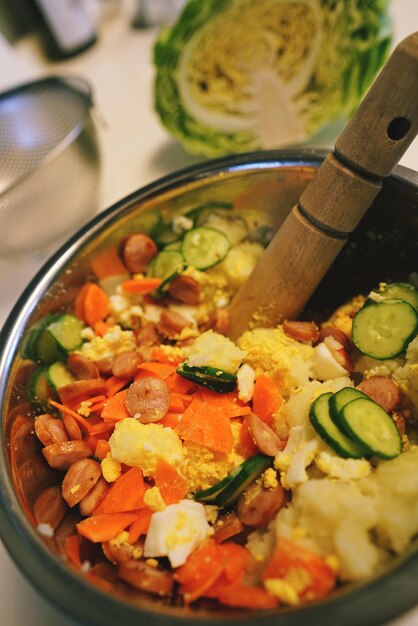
[{"x": 279, "y": 74}]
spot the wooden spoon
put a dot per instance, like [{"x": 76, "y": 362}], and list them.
[{"x": 333, "y": 203}]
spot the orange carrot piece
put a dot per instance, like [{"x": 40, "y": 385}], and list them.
[
  {"x": 64, "y": 409},
  {"x": 115, "y": 408},
  {"x": 173, "y": 487},
  {"x": 171, "y": 419},
  {"x": 106, "y": 263},
  {"x": 267, "y": 398},
  {"x": 115, "y": 384},
  {"x": 201, "y": 570},
  {"x": 247, "y": 597},
  {"x": 96, "y": 304},
  {"x": 126, "y": 493},
  {"x": 235, "y": 559},
  {"x": 247, "y": 445},
  {"x": 206, "y": 425},
  {"x": 105, "y": 526},
  {"x": 161, "y": 370},
  {"x": 140, "y": 525},
  {"x": 178, "y": 384},
  {"x": 79, "y": 301},
  {"x": 229, "y": 402},
  {"x": 100, "y": 328},
  {"x": 72, "y": 549},
  {"x": 91, "y": 441},
  {"x": 140, "y": 285},
  {"x": 102, "y": 449},
  {"x": 179, "y": 402}
]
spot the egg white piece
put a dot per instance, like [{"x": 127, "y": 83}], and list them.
[
  {"x": 177, "y": 531},
  {"x": 325, "y": 365}
]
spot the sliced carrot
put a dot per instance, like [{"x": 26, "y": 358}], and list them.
[
  {"x": 140, "y": 285},
  {"x": 247, "y": 446},
  {"x": 206, "y": 425},
  {"x": 102, "y": 449},
  {"x": 267, "y": 398},
  {"x": 178, "y": 384},
  {"x": 104, "y": 429},
  {"x": 161, "y": 370},
  {"x": 126, "y": 493},
  {"x": 105, "y": 526},
  {"x": 171, "y": 419},
  {"x": 100, "y": 328},
  {"x": 92, "y": 304},
  {"x": 140, "y": 525},
  {"x": 247, "y": 597},
  {"x": 229, "y": 402},
  {"x": 179, "y": 402},
  {"x": 201, "y": 570},
  {"x": 64, "y": 409},
  {"x": 92, "y": 401},
  {"x": 173, "y": 487},
  {"x": 288, "y": 555},
  {"x": 115, "y": 409},
  {"x": 115, "y": 384},
  {"x": 72, "y": 549},
  {"x": 79, "y": 302},
  {"x": 227, "y": 526},
  {"x": 91, "y": 441},
  {"x": 106, "y": 263},
  {"x": 160, "y": 355},
  {"x": 235, "y": 558}
]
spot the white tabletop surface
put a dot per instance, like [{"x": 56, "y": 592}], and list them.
[{"x": 135, "y": 151}]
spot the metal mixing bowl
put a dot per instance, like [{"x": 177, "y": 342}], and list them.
[
  {"x": 384, "y": 246},
  {"x": 49, "y": 162}
]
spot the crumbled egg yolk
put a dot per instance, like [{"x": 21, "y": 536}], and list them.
[
  {"x": 142, "y": 445},
  {"x": 154, "y": 500},
  {"x": 114, "y": 341},
  {"x": 269, "y": 479},
  {"x": 122, "y": 541},
  {"x": 111, "y": 468},
  {"x": 337, "y": 467}
]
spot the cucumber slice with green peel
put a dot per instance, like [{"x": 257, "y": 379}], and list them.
[
  {"x": 165, "y": 235},
  {"x": 176, "y": 246},
  {"x": 67, "y": 331},
  {"x": 28, "y": 349},
  {"x": 166, "y": 265},
  {"x": 47, "y": 349},
  {"x": 384, "y": 329},
  {"x": 332, "y": 435},
  {"x": 211, "y": 377},
  {"x": 227, "y": 491},
  {"x": 204, "y": 247},
  {"x": 372, "y": 427},
  {"x": 39, "y": 389},
  {"x": 58, "y": 375},
  {"x": 400, "y": 291},
  {"x": 342, "y": 397}
]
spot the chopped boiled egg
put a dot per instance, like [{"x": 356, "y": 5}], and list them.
[
  {"x": 177, "y": 531},
  {"x": 325, "y": 365}
]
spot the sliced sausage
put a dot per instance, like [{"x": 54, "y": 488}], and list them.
[
  {"x": 72, "y": 428},
  {"x": 337, "y": 334},
  {"x": 104, "y": 365},
  {"x": 172, "y": 321},
  {"x": 92, "y": 386},
  {"x": 227, "y": 525},
  {"x": 148, "y": 399},
  {"x": 63, "y": 454},
  {"x": 82, "y": 367},
  {"x": 218, "y": 321},
  {"x": 117, "y": 552},
  {"x": 49, "y": 429},
  {"x": 146, "y": 578},
  {"x": 264, "y": 437},
  {"x": 81, "y": 476},
  {"x": 382, "y": 390},
  {"x": 258, "y": 505},
  {"x": 94, "y": 497},
  {"x": 185, "y": 289},
  {"x": 125, "y": 364},
  {"x": 138, "y": 250},
  {"x": 49, "y": 507},
  {"x": 306, "y": 332}
]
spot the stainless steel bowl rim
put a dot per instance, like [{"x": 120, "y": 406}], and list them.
[
  {"x": 373, "y": 603},
  {"x": 69, "y": 137}
]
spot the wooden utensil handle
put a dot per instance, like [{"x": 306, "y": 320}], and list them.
[{"x": 331, "y": 206}]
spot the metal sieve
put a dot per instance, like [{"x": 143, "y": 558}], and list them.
[{"x": 49, "y": 162}]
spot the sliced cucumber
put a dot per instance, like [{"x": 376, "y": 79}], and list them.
[
  {"x": 38, "y": 388},
  {"x": 28, "y": 350},
  {"x": 176, "y": 246},
  {"x": 58, "y": 375},
  {"x": 166, "y": 265},
  {"x": 211, "y": 377},
  {"x": 66, "y": 330},
  {"x": 165, "y": 235},
  {"x": 325, "y": 427},
  {"x": 227, "y": 491},
  {"x": 204, "y": 247},
  {"x": 384, "y": 329},
  {"x": 339, "y": 399},
  {"x": 400, "y": 291},
  {"x": 200, "y": 213},
  {"x": 372, "y": 427}
]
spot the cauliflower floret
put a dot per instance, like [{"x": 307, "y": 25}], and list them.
[
  {"x": 142, "y": 445},
  {"x": 271, "y": 351},
  {"x": 214, "y": 350}
]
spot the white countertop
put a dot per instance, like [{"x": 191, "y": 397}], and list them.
[{"x": 135, "y": 151}]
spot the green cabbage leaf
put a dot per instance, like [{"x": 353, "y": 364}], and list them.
[{"x": 239, "y": 75}]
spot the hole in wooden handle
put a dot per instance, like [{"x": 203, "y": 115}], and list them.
[{"x": 398, "y": 128}]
